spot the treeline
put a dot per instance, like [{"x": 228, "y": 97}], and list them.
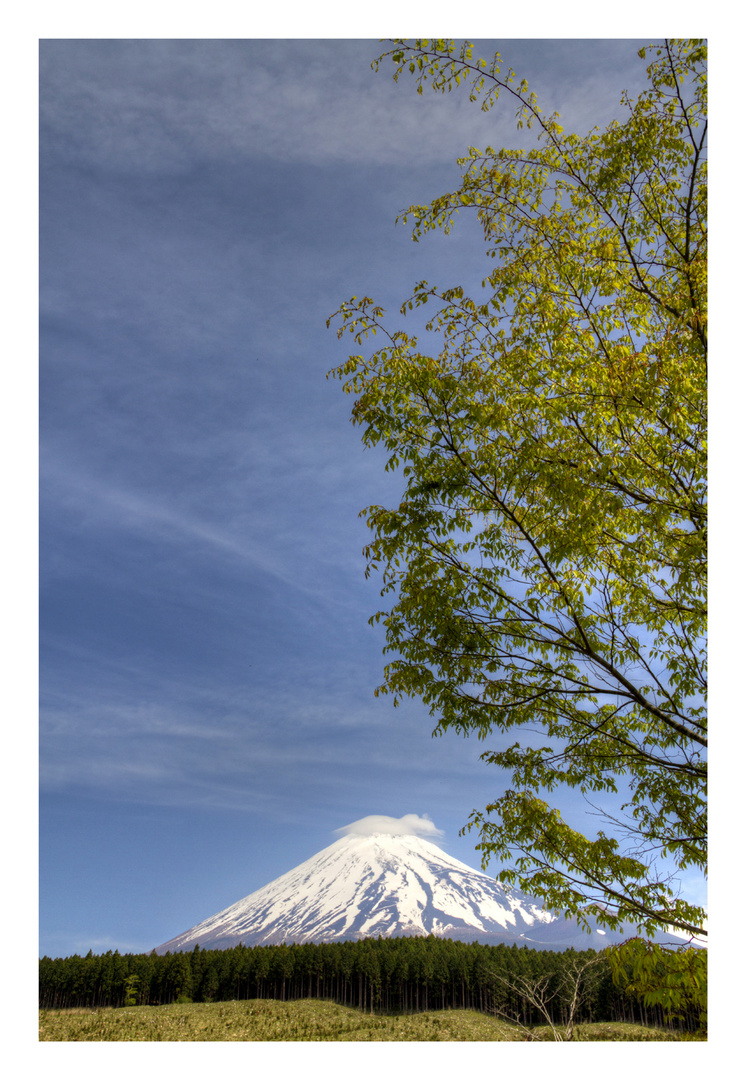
[{"x": 392, "y": 975}]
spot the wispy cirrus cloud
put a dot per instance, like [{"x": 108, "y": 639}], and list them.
[
  {"x": 155, "y": 106},
  {"x": 111, "y": 507},
  {"x": 159, "y": 105}
]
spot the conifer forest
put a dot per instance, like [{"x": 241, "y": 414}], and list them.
[{"x": 383, "y": 975}]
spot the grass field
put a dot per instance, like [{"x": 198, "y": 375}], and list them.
[{"x": 308, "y": 1020}]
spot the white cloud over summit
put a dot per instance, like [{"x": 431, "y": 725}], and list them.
[{"x": 409, "y": 825}]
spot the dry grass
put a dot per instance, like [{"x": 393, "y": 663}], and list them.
[
  {"x": 613, "y": 1032},
  {"x": 308, "y": 1020}
]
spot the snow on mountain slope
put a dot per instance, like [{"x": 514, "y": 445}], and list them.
[{"x": 386, "y": 882}]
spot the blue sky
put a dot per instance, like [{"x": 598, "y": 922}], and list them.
[{"x": 207, "y": 670}]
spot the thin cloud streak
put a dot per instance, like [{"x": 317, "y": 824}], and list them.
[{"x": 116, "y": 508}]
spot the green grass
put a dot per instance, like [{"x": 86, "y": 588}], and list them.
[{"x": 308, "y": 1020}]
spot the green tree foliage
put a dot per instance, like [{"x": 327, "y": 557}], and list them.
[
  {"x": 131, "y": 988},
  {"x": 673, "y": 979},
  {"x": 546, "y": 565}
]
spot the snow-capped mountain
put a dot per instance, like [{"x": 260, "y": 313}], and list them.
[{"x": 379, "y": 879}]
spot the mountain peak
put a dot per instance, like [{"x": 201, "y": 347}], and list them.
[{"x": 384, "y": 876}]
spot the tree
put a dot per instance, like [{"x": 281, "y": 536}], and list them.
[
  {"x": 546, "y": 566},
  {"x": 131, "y": 989},
  {"x": 550, "y": 993}
]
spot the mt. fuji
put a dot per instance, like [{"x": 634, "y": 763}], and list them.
[{"x": 381, "y": 878}]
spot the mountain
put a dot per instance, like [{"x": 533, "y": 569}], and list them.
[{"x": 390, "y": 883}]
